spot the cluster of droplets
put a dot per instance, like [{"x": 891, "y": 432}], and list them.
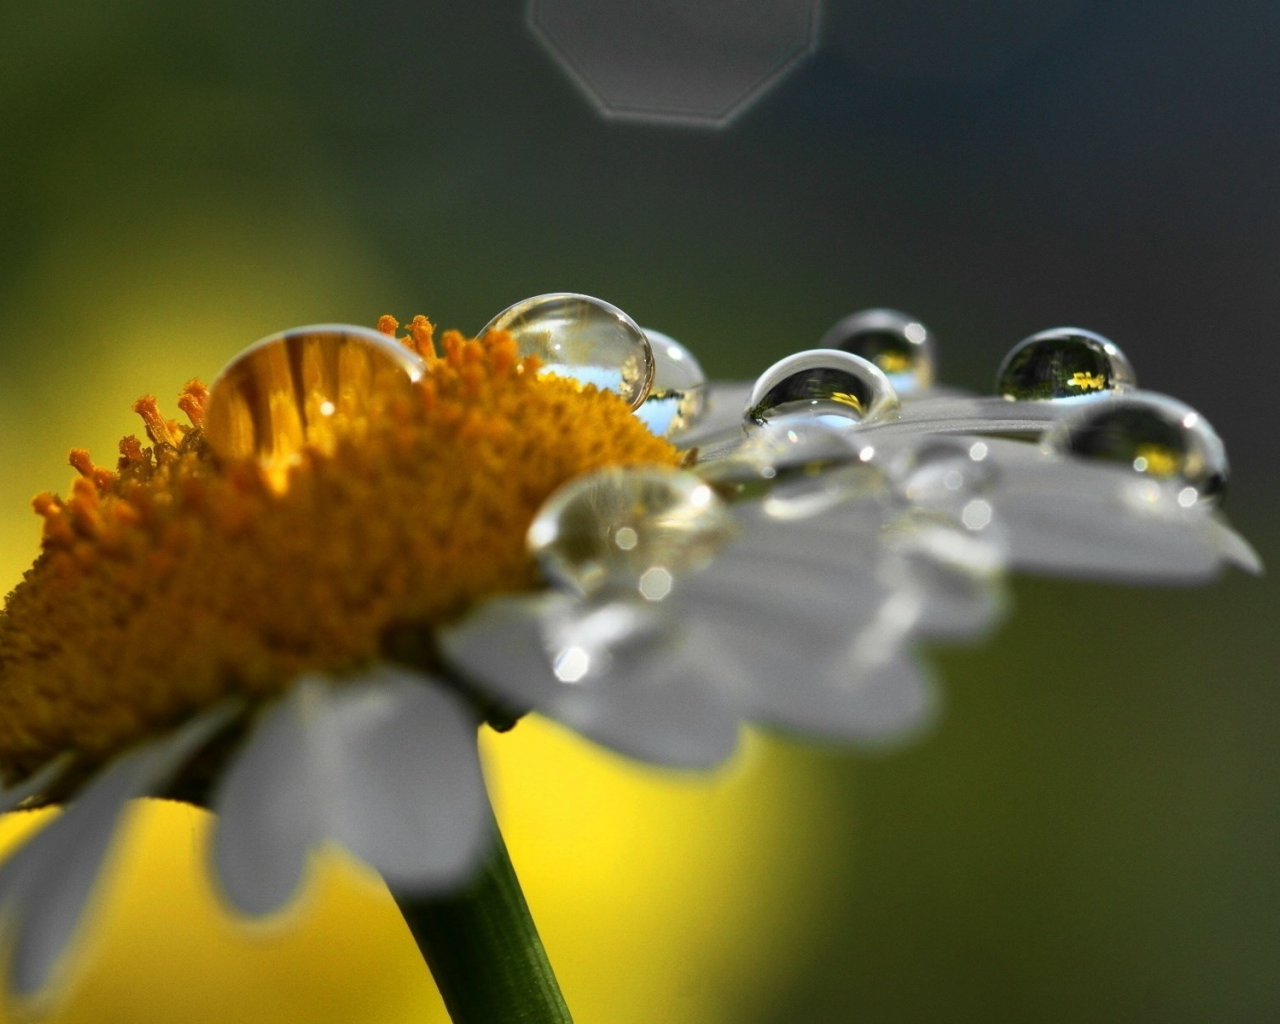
[
  {"x": 870, "y": 358},
  {"x": 632, "y": 531},
  {"x": 635, "y": 532}
]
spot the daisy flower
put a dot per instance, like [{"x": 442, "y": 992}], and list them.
[{"x": 297, "y": 607}]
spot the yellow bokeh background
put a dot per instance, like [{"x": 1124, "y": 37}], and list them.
[
  {"x": 652, "y": 892},
  {"x": 1087, "y": 834}
]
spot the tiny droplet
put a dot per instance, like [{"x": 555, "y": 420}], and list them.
[
  {"x": 1065, "y": 362},
  {"x": 303, "y": 387},
  {"x": 584, "y": 339},
  {"x": 628, "y": 530},
  {"x": 897, "y": 343},
  {"x": 678, "y": 395},
  {"x": 1151, "y": 434},
  {"x": 836, "y": 387},
  {"x": 944, "y": 470},
  {"x": 797, "y": 464}
]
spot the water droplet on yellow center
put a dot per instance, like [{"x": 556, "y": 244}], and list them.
[
  {"x": 303, "y": 387},
  {"x": 584, "y": 339}
]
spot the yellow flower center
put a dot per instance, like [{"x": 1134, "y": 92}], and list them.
[{"x": 182, "y": 577}]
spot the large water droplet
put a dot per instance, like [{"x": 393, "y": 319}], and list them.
[
  {"x": 1151, "y": 434},
  {"x": 1065, "y": 362},
  {"x": 630, "y": 530},
  {"x": 944, "y": 471},
  {"x": 678, "y": 395},
  {"x": 584, "y": 339},
  {"x": 303, "y": 387},
  {"x": 897, "y": 343},
  {"x": 837, "y": 387}
]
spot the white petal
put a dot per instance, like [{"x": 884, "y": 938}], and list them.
[
  {"x": 266, "y": 806},
  {"x": 45, "y": 886},
  {"x": 36, "y": 783},
  {"x": 853, "y": 528},
  {"x": 858, "y": 685},
  {"x": 1232, "y": 547},
  {"x": 957, "y": 578},
  {"x": 786, "y": 589},
  {"x": 1086, "y": 519},
  {"x": 1090, "y": 533},
  {"x": 894, "y": 702},
  {"x": 405, "y": 793},
  {"x": 656, "y": 695},
  {"x": 952, "y": 413},
  {"x": 840, "y": 567},
  {"x": 384, "y": 765},
  {"x": 816, "y": 614}
]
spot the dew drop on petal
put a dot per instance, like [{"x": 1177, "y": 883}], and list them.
[
  {"x": 300, "y": 387},
  {"x": 798, "y": 464},
  {"x": 944, "y": 470},
  {"x": 628, "y": 531},
  {"x": 582, "y": 338},
  {"x": 1064, "y": 362},
  {"x": 836, "y": 387},
  {"x": 897, "y": 343},
  {"x": 678, "y": 396},
  {"x": 1151, "y": 434}
]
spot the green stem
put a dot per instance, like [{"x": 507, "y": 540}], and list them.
[{"x": 483, "y": 949}]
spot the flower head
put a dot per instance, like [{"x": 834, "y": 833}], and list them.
[
  {"x": 181, "y": 577},
  {"x": 305, "y": 598}
]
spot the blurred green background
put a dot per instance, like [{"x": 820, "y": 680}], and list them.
[{"x": 1090, "y": 833}]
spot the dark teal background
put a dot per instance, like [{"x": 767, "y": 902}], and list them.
[{"x": 1091, "y": 833}]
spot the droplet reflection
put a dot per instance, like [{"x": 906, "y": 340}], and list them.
[
  {"x": 678, "y": 396},
  {"x": 897, "y": 343},
  {"x": 584, "y": 339},
  {"x": 836, "y": 387},
  {"x": 302, "y": 387},
  {"x": 1065, "y": 362},
  {"x": 629, "y": 531},
  {"x": 1154, "y": 435}
]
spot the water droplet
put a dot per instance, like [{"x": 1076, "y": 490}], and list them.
[
  {"x": 629, "y": 531},
  {"x": 944, "y": 471},
  {"x": 1064, "y": 362},
  {"x": 837, "y": 387},
  {"x": 797, "y": 465},
  {"x": 898, "y": 344},
  {"x": 584, "y": 339},
  {"x": 1151, "y": 434},
  {"x": 678, "y": 395},
  {"x": 302, "y": 387}
]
